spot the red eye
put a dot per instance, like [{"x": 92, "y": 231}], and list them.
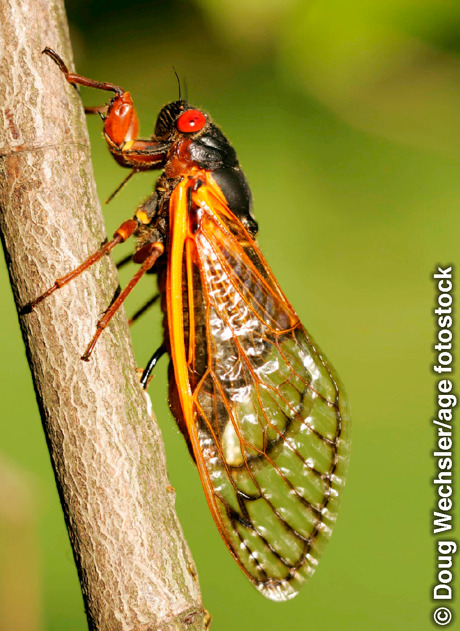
[{"x": 191, "y": 120}]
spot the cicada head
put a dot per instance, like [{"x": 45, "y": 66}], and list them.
[
  {"x": 180, "y": 117},
  {"x": 197, "y": 142}
]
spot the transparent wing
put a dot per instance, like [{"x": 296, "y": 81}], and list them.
[
  {"x": 267, "y": 416},
  {"x": 269, "y": 413}
]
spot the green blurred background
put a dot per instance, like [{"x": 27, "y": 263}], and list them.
[{"x": 345, "y": 118}]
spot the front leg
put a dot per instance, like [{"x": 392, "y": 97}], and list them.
[
  {"x": 121, "y": 124},
  {"x": 138, "y": 154}
]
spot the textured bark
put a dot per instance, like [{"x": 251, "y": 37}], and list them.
[{"x": 134, "y": 565}]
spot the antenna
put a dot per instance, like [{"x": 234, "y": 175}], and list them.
[{"x": 178, "y": 82}]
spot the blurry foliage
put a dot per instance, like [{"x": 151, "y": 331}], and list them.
[
  {"x": 382, "y": 65},
  {"x": 345, "y": 119}
]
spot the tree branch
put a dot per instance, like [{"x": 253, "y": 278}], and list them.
[{"x": 134, "y": 565}]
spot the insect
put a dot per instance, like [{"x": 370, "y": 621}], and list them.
[{"x": 261, "y": 408}]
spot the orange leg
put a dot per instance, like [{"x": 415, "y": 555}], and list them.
[
  {"x": 153, "y": 251},
  {"x": 78, "y": 79},
  {"x": 121, "y": 125},
  {"x": 124, "y": 232}
]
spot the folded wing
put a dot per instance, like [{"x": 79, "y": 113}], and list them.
[{"x": 268, "y": 420}]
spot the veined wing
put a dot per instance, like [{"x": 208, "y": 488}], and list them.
[{"x": 265, "y": 411}]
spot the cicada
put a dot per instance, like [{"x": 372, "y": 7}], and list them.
[{"x": 261, "y": 408}]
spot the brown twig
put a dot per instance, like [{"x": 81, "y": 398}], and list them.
[{"x": 134, "y": 565}]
